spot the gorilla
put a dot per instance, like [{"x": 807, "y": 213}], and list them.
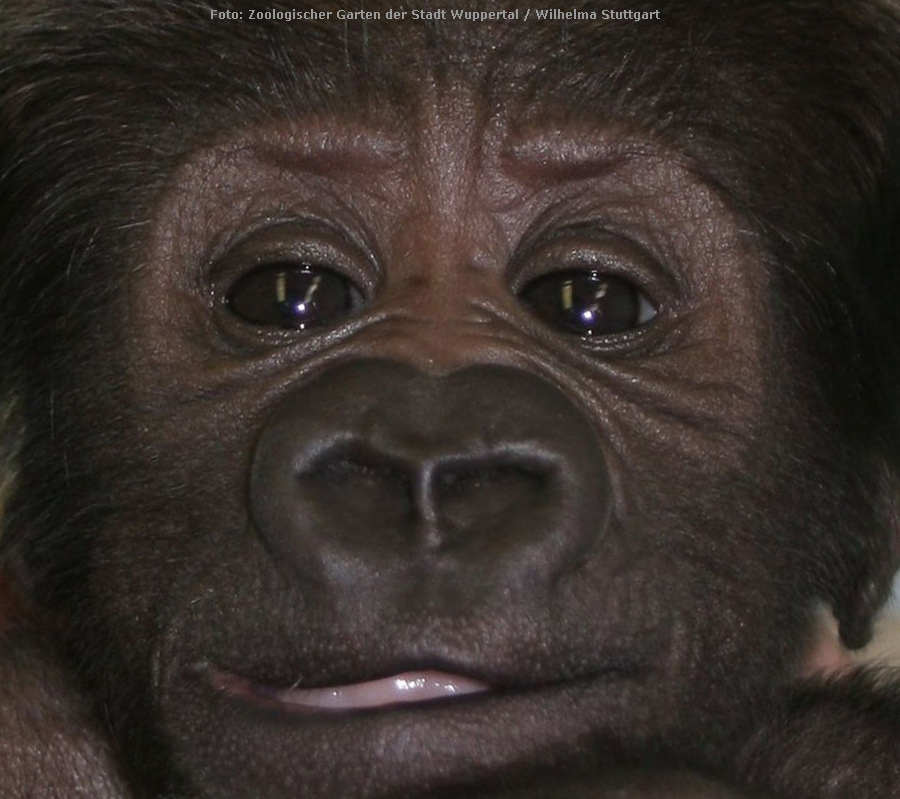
[{"x": 475, "y": 403}]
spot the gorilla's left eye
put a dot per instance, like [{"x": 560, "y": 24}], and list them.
[
  {"x": 297, "y": 296},
  {"x": 588, "y": 302}
]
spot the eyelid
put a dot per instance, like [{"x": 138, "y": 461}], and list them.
[
  {"x": 583, "y": 248},
  {"x": 305, "y": 241}
]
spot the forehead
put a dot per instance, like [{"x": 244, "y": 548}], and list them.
[
  {"x": 718, "y": 82},
  {"x": 688, "y": 79}
]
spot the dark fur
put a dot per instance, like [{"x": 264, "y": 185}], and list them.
[{"x": 754, "y": 491}]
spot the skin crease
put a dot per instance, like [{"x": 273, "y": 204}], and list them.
[{"x": 632, "y": 539}]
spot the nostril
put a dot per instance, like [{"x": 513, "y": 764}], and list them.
[
  {"x": 357, "y": 493},
  {"x": 489, "y": 495},
  {"x": 461, "y": 478},
  {"x": 355, "y": 465}
]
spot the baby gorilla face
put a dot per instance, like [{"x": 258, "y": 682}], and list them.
[
  {"x": 425, "y": 409},
  {"x": 473, "y": 440}
]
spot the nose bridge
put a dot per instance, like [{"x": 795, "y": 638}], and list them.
[
  {"x": 439, "y": 348},
  {"x": 446, "y": 271},
  {"x": 442, "y": 319}
]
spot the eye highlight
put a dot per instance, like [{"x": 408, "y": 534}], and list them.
[
  {"x": 294, "y": 296},
  {"x": 588, "y": 302}
]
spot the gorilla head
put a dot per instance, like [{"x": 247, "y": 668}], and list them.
[{"x": 417, "y": 405}]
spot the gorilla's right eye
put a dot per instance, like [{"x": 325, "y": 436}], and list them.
[{"x": 296, "y": 296}]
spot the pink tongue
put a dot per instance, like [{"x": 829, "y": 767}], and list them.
[{"x": 411, "y": 686}]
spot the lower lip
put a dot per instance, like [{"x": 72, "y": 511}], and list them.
[{"x": 407, "y": 688}]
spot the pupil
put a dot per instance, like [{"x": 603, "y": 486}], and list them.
[
  {"x": 599, "y": 305},
  {"x": 296, "y": 296}
]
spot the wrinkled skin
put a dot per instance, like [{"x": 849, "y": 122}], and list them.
[{"x": 504, "y": 352}]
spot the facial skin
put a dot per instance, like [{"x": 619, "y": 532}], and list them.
[
  {"x": 514, "y": 611},
  {"x": 481, "y": 359}
]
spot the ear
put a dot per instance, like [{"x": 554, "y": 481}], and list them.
[{"x": 876, "y": 560}]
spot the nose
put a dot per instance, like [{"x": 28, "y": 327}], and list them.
[{"x": 490, "y": 472}]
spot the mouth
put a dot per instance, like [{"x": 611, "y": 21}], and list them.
[
  {"x": 400, "y": 726},
  {"x": 406, "y": 688}
]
